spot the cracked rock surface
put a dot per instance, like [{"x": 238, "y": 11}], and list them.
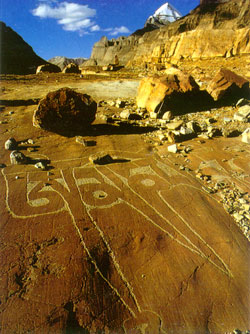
[{"x": 150, "y": 241}]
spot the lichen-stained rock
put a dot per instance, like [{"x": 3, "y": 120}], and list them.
[
  {"x": 175, "y": 91},
  {"x": 48, "y": 68},
  {"x": 71, "y": 68},
  {"x": 228, "y": 85},
  {"x": 65, "y": 110}
]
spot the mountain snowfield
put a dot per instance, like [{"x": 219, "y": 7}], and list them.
[{"x": 163, "y": 15}]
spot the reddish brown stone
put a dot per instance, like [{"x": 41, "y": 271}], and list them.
[
  {"x": 227, "y": 84},
  {"x": 64, "y": 110}
]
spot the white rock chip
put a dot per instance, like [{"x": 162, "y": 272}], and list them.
[
  {"x": 173, "y": 148},
  {"x": 246, "y": 136},
  {"x": 125, "y": 114},
  {"x": 243, "y": 114},
  {"x": 10, "y": 144}
]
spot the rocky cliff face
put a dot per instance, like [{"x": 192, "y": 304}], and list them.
[
  {"x": 17, "y": 57},
  {"x": 218, "y": 29}
]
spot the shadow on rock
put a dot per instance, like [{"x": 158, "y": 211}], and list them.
[
  {"x": 189, "y": 102},
  {"x": 16, "y": 103}
]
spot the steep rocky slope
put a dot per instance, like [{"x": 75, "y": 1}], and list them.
[
  {"x": 219, "y": 29},
  {"x": 17, "y": 57}
]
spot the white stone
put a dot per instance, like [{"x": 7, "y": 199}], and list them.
[
  {"x": 173, "y": 148},
  {"x": 243, "y": 114},
  {"x": 153, "y": 115},
  {"x": 10, "y": 144},
  {"x": 167, "y": 116},
  {"x": 246, "y": 136},
  {"x": 40, "y": 165},
  {"x": 125, "y": 114}
]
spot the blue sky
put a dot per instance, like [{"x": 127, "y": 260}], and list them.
[{"x": 70, "y": 27}]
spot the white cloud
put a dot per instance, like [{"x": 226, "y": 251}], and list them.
[
  {"x": 73, "y": 17},
  {"x": 119, "y": 30},
  {"x": 95, "y": 28}
]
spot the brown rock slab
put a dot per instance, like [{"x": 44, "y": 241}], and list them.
[
  {"x": 65, "y": 110},
  {"x": 132, "y": 246},
  {"x": 228, "y": 85},
  {"x": 175, "y": 91}
]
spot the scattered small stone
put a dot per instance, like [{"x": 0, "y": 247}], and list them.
[
  {"x": 186, "y": 131},
  {"x": 40, "y": 165},
  {"x": 17, "y": 177},
  {"x": 153, "y": 115},
  {"x": 125, "y": 114},
  {"x": 174, "y": 125},
  {"x": 10, "y": 144},
  {"x": 84, "y": 142},
  {"x": 237, "y": 331},
  {"x": 243, "y": 114},
  {"x": 30, "y": 141},
  {"x": 111, "y": 103},
  {"x": 173, "y": 148},
  {"x": 167, "y": 116},
  {"x": 246, "y": 136},
  {"x": 11, "y": 112},
  {"x": 18, "y": 158},
  {"x": 227, "y": 119},
  {"x": 119, "y": 104}
]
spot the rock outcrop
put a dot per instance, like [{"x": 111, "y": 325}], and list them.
[
  {"x": 64, "y": 111},
  {"x": 159, "y": 94},
  {"x": 227, "y": 85},
  {"x": 17, "y": 57},
  {"x": 71, "y": 68},
  {"x": 48, "y": 68},
  {"x": 219, "y": 29}
]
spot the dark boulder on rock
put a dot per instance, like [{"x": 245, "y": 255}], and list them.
[
  {"x": 48, "y": 68},
  {"x": 17, "y": 57},
  {"x": 71, "y": 68},
  {"x": 228, "y": 86},
  {"x": 64, "y": 111}
]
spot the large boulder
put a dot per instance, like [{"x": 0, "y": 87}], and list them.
[
  {"x": 228, "y": 85},
  {"x": 48, "y": 68},
  {"x": 175, "y": 91},
  {"x": 64, "y": 111},
  {"x": 71, "y": 68}
]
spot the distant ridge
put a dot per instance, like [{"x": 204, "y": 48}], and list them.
[
  {"x": 17, "y": 56},
  {"x": 62, "y": 62}
]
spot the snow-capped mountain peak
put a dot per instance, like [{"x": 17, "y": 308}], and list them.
[{"x": 164, "y": 15}]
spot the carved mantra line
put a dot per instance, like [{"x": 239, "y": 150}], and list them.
[{"x": 193, "y": 247}]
